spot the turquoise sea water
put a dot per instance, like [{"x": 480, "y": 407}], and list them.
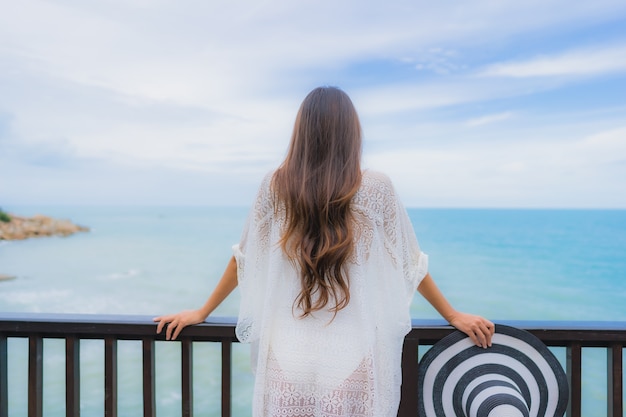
[{"x": 503, "y": 264}]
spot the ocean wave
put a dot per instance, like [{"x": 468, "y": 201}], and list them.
[{"x": 133, "y": 272}]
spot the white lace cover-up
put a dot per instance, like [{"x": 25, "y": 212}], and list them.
[{"x": 315, "y": 366}]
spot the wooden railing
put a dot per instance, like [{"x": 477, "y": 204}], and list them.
[{"x": 573, "y": 336}]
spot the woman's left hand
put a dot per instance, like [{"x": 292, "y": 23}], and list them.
[{"x": 479, "y": 329}]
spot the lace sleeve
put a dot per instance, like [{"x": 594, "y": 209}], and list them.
[
  {"x": 400, "y": 240},
  {"x": 250, "y": 254},
  {"x": 256, "y": 226}
]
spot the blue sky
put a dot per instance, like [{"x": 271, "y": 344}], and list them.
[{"x": 463, "y": 104}]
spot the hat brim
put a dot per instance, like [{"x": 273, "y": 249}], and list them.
[{"x": 518, "y": 374}]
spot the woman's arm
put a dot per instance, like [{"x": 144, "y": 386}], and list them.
[
  {"x": 176, "y": 322},
  {"x": 477, "y": 328}
]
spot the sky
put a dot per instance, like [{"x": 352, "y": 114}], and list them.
[{"x": 463, "y": 104}]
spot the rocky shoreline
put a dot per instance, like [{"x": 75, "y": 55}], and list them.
[{"x": 20, "y": 228}]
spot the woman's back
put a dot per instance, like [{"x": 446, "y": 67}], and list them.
[{"x": 326, "y": 363}]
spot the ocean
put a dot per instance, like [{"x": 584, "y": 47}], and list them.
[{"x": 505, "y": 264}]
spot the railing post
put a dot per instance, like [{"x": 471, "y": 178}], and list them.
[
  {"x": 110, "y": 376},
  {"x": 227, "y": 348},
  {"x": 35, "y": 376},
  {"x": 149, "y": 403},
  {"x": 574, "y": 362},
  {"x": 4, "y": 377},
  {"x": 614, "y": 384},
  {"x": 410, "y": 359},
  {"x": 72, "y": 376},
  {"x": 187, "y": 376}
]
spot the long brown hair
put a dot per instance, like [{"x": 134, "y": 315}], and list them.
[{"x": 315, "y": 184}]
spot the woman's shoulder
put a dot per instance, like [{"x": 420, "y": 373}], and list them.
[
  {"x": 374, "y": 173},
  {"x": 268, "y": 178},
  {"x": 264, "y": 198},
  {"x": 376, "y": 194},
  {"x": 376, "y": 181},
  {"x": 265, "y": 186}
]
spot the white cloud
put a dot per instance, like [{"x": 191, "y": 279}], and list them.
[
  {"x": 605, "y": 147},
  {"x": 491, "y": 118},
  {"x": 587, "y": 61}
]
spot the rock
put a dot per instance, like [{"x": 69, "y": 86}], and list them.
[{"x": 20, "y": 228}]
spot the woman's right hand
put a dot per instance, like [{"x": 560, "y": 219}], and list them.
[{"x": 177, "y": 322}]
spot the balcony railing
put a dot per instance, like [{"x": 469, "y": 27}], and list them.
[{"x": 572, "y": 336}]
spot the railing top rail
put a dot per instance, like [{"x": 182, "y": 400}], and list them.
[
  {"x": 141, "y": 319},
  {"x": 121, "y": 326},
  {"x": 222, "y": 328},
  {"x": 552, "y": 333}
]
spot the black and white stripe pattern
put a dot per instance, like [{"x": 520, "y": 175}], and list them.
[{"x": 516, "y": 376}]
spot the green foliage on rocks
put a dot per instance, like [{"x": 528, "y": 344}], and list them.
[{"x": 4, "y": 217}]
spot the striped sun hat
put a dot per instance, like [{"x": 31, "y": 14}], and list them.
[{"x": 516, "y": 376}]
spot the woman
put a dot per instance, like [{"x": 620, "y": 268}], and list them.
[{"x": 327, "y": 266}]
